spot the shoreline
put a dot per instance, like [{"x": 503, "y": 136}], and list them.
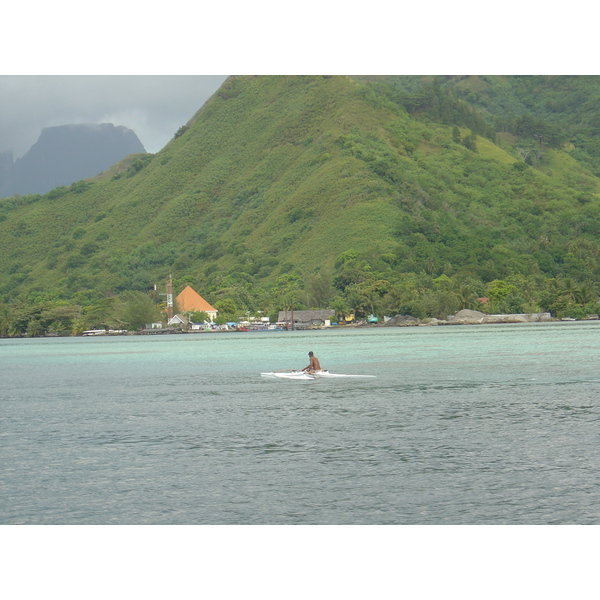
[{"x": 398, "y": 321}]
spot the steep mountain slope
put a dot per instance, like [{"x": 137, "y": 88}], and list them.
[
  {"x": 260, "y": 164},
  {"x": 68, "y": 153},
  {"x": 284, "y": 185},
  {"x": 527, "y": 114}
]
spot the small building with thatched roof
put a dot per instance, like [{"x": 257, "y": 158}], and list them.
[{"x": 306, "y": 318}]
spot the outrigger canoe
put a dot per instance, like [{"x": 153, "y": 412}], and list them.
[{"x": 305, "y": 375}]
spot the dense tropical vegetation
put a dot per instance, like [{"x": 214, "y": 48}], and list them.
[{"x": 383, "y": 195}]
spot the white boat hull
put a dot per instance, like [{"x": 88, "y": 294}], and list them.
[
  {"x": 288, "y": 375},
  {"x": 305, "y": 375}
]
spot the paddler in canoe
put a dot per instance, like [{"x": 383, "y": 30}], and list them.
[{"x": 314, "y": 364}]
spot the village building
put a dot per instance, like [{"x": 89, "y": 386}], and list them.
[
  {"x": 190, "y": 301},
  {"x": 306, "y": 318},
  {"x": 178, "y": 320}
]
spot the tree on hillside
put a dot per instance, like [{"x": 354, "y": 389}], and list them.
[
  {"x": 61, "y": 319},
  {"x": 199, "y": 316},
  {"x": 227, "y": 311},
  {"x": 341, "y": 308},
  {"x": 470, "y": 142},
  {"x": 140, "y": 310},
  {"x": 462, "y": 291},
  {"x": 6, "y": 314},
  {"x": 107, "y": 313},
  {"x": 319, "y": 290},
  {"x": 286, "y": 291},
  {"x": 456, "y": 135}
]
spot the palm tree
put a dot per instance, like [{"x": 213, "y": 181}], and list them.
[
  {"x": 341, "y": 308},
  {"x": 586, "y": 293}
]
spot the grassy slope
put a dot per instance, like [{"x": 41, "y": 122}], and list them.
[
  {"x": 276, "y": 171},
  {"x": 263, "y": 148}
]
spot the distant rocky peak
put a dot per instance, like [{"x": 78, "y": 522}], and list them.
[{"x": 67, "y": 153}]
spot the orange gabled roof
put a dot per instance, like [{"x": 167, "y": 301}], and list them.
[{"x": 192, "y": 301}]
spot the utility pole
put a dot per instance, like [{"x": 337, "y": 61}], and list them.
[{"x": 169, "y": 296}]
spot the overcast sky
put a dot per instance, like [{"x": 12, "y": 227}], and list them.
[
  {"x": 154, "y": 106},
  {"x": 438, "y": 38}
]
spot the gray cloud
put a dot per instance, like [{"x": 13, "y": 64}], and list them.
[{"x": 154, "y": 106}]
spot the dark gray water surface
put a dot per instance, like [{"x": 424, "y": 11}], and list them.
[{"x": 493, "y": 424}]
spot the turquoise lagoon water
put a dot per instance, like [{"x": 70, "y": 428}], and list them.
[{"x": 490, "y": 424}]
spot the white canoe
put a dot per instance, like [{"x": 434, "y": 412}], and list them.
[
  {"x": 288, "y": 375},
  {"x": 305, "y": 375}
]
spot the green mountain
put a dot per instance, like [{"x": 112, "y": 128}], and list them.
[{"x": 386, "y": 195}]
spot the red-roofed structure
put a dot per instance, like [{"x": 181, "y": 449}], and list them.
[{"x": 190, "y": 301}]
